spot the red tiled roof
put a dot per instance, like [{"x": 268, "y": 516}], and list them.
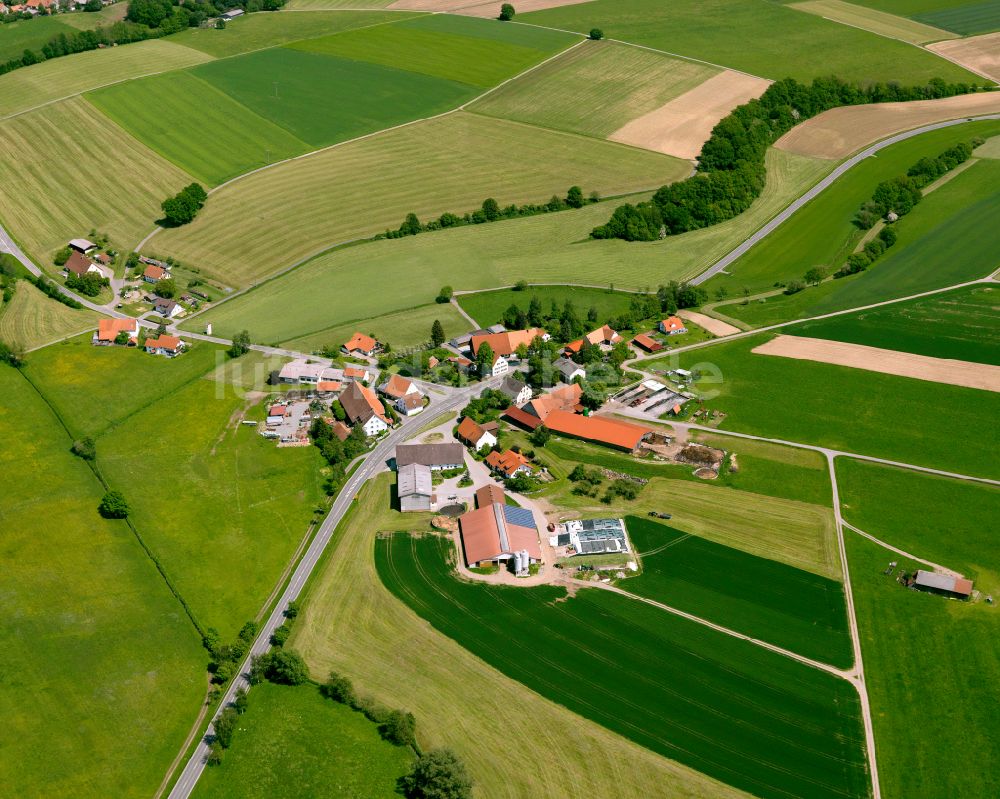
[
  {"x": 647, "y": 343},
  {"x": 507, "y": 462},
  {"x": 600, "y": 429},
  {"x": 672, "y": 323},
  {"x": 412, "y": 401},
  {"x": 481, "y": 536},
  {"x": 340, "y": 430},
  {"x": 397, "y": 386},
  {"x": 154, "y": 272},
  {"x": 489, "y": 494},
  {"x": 108, "y": 329},
  {"x": 355, "y": 372},
  {"x": 329, "y": 385},
  {"x": 277, "y": 410},
  {"x": 522, "y": 417},
  {"x": 164, "y": 342},
  {"x": 78, "y": 263},
  {"x": 359, "y": 341},
  {"x": 506, "y": 343},
  {"x": 469, "y": 430}
]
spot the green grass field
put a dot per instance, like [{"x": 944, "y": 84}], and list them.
[
  {"x": 733, "y": 710},
  {"x": 961, "y": 324},
  {"x": 912, "y": 421},
  {"x": 97, "y": 388},
  {"x": 312, "y": 746},
  {"x": 196, "y": 126},
  {"x": 349, "y": 622},
  {"x": 91, "y": 19},
  {"x": 594, "y": 89},
  {"x": 966, "y": 19},
  {"x": 409, "y": 328},
  {"x": 381, "y": 179},
  {"x": 547, "y": 248},
  {"x": 89, "y": 175},
  {"x": 756, "y": 36},
  {"x": 257, "y": 31},
  {"x": 289, "y": 87},
  {"x": 31, "y": 319},
  {"x": 244, "y": 504},
  {"x": 103, "y": 673},
  {"x": 455, "y": 52},
  {"x": 821, "y": 233},
  {"x": 770, "y": 509},
  {"x": 42, "y": 83},
  {"x": 794, "y": 609},
  {"x": 930, "y": 665},
  {"x": 30, "y": 34},
  {"x": 487, "y": 307},
  {"x": 950, "y": 522}
]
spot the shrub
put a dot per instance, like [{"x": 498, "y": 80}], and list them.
[
  {"x": 113, "y": 506},
  {"x": 285, "y": 667},
  {"x": 85, "y": 448},
  {"x": 888, "y": 235},
  {"x": 506, "y": 12},
  {"x": 437, "y": 774},
  {"x": 444, "y": 295},
  {"x": 596, "y": 34},
  {"x": 62, "y": 256},
  {"x": 794, "y": 287},
  {"x": 280, "y": 635},
  {"x": 225, "y": 726},
  {"x": 400, "y": 728},
  {"x": 339, "y": 689}
]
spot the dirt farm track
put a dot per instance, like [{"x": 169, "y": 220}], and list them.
[{"x": 890, "y": 362}]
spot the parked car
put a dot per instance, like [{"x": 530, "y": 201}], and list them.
[{"x": 657, "y": 515}]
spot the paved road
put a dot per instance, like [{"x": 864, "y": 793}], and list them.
[
  {"x": 372, "y": 465},
  {"x": 825, "y": 183}
]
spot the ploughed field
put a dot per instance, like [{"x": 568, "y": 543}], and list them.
[{"x": 737, "y": 712}]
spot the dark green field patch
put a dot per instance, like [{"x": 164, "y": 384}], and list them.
[
  {"x": 487, "y": 307},
  {"x": 733, "y": 710},
  {"x": 966, "y": 20},
  {"x": 196, "y": 126},
  {"x": 446, "y": 54},
  {"x": 323, "y": 100},
  {"x": 785, "y": 606},
  {"x": 542, "y": 39},
  {"x": 962, "y": 324}
]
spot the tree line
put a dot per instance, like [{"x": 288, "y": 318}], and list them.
[
  {"x": 184, "y": 206},
  {"x": 731, "y": 172},
  {"x": 490, "y": 211}
]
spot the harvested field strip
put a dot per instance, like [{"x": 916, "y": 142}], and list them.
[
  {"x": 323, "y": 100},
  {"x": 292, "y": 212},
  {"x": 63, "y": 77},
  {"x": 489, "y": 9},
  {"x": 966, "y": 20},
  {"x": 981, "y": 54},
  {"x": 472, "y": 60},
  {"x": 785, "y": 606},
  {"x": 350, "y": 623},
  {"x": 89, "y": 175},
  {"x": 594, "y": 89},
  {"x": 962, "y": 324},
  {"x": 875, "y": 21},
  {"x": 733, "y": 710},
  {"x": 681, "y": 126},
  {"x": 257, "y": 31},
  {"x": 169, "y": 112},
  {"x": 103, "y": 670},
  {"x": 545, "y": 248},
  {"x": 714, "y": 326},
  {"x": 839, "y": 132},
  {"x": 302, "y": 5},
  {"x": 890, "y": 362},
  {"x": 31, "y": 319}
]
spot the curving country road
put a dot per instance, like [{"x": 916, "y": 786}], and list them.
[{"x": 825, "y": 183}]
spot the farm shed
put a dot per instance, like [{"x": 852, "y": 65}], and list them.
[
  {"x": 944, "y": 584},
  {"x": 495, "y": 532},
  {"x": 436, "y": 456},
  {"x": 414, "y": 487}
]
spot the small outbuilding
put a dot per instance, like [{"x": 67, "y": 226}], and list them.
[
  {"x": 414, "y": 486},
  {"x": 944, "y": 584}
]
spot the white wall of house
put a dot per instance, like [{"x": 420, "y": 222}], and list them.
[
  {"x": 374, "y": 426},
  {"x": 501, "y": 367}
]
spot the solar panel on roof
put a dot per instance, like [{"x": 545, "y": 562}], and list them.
[{"x": 522, "y": 517}]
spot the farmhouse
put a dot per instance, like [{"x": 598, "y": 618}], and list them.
[
  {"x": 645, "y": 342},
  {"x": 410, "y": 404},
  {"x": 364, "y": 408},
  {"x": 154, "y": 274},
  {"x": 397, "y": 387},
  {"x": 475, "y": 435},
  {"x": 169, "y": 346},
  {"x": 517, "y": 391},
  {"x": 944, "y": 584},
  {"x": 302, "y": 372},
  {"x": 80, "y": 265},
  {"x": 414, "y": 487},
  {"x": 497, "y": 533},
  {"x": 360, "y": 345},
  {"x": 508, "y": 463},
  {"x": 593, "y": 536},
  {"x": 82, "y": 245},
  {"x": 507, "y": 342},
  {"x": 564, "y": 398},
  {"x": 108, "y": 331},
  {"x": 672, "y": 326},
  {"x": 569, "y": 370},
  {"x": 168, "y": 309},
  {"x": 603, "y": 337},
  {"x": 436, "y": 456}
]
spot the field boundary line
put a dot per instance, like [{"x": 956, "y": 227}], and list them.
[
  {"x": 901, "y": 552},
  {"x": 816, "y": 664},
  {"x": 858, "y": 673},
  {"x": 365, "y": 136}
]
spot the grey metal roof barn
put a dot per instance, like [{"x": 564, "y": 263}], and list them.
[
  {"x": 414, "y": 478},
  {"x": 943, "y": 583},
  {"x": 437, "y": 456}
]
